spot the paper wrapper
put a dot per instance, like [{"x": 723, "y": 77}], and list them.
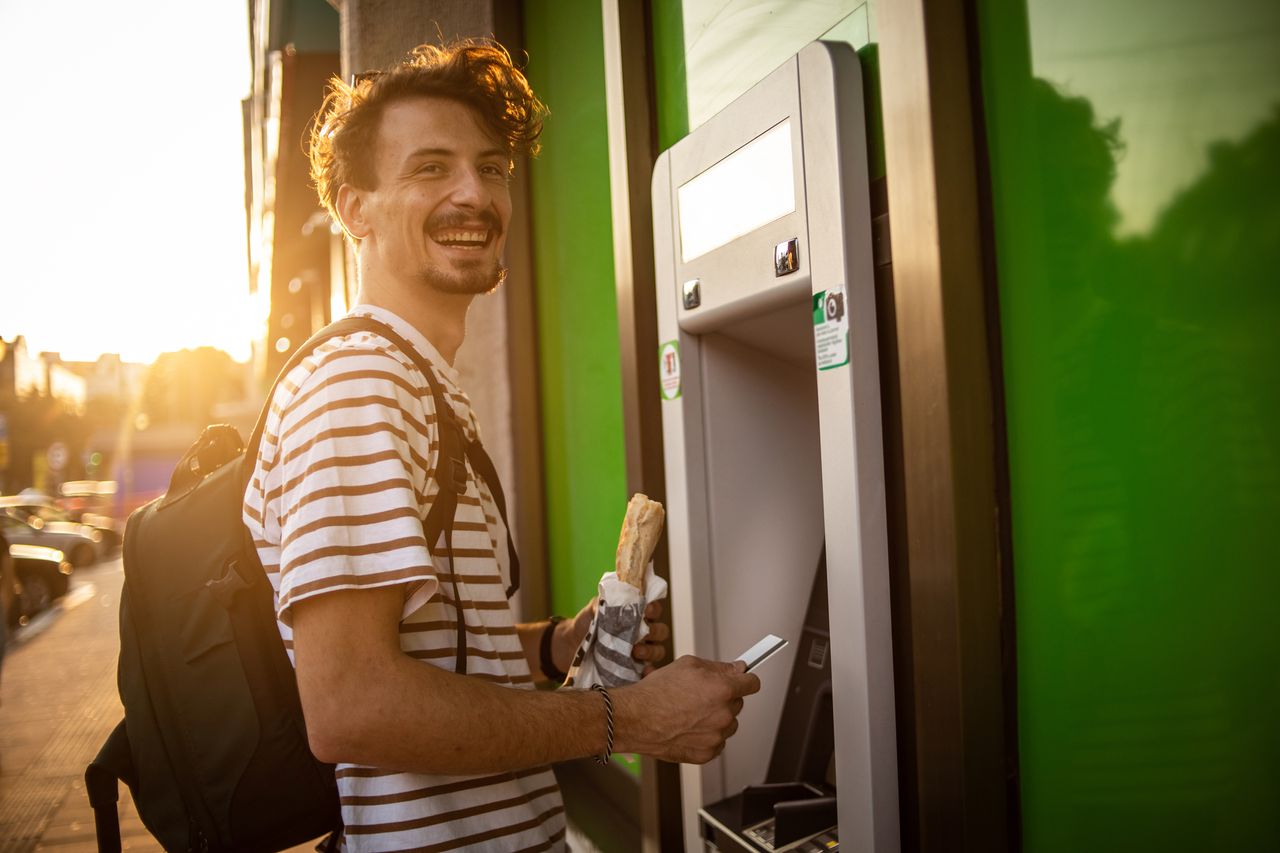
[{"x": 604, "y": 657}]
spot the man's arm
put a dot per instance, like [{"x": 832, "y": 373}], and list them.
[
  {"x": 530, "y": 634},
  {"x": 366, "y": 702},
  {"x": 564, "y": 642}
]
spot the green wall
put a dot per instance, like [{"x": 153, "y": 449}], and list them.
[
  {"x": 580, "y": 365},
  {"x": 1135, "y": 169},
  {"x": 670, "y": 95}
]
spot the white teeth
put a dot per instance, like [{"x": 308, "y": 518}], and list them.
[{"x": 462, "y": 237}]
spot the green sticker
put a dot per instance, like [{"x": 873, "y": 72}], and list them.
[
  {"x": 830, "y": 328},
  {"x": 669, "y": 369}
]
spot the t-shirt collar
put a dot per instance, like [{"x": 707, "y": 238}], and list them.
[{"x": 411, "y": 334}]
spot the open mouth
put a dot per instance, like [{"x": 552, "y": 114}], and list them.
[{"x": 461, "y": 238}]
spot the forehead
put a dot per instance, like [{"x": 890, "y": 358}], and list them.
[{"x": 432, "y": 123}]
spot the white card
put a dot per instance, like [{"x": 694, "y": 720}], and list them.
[{"x": 761, "y": 651}]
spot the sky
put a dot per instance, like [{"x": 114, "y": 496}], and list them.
[{"x": 122, "y": 225}]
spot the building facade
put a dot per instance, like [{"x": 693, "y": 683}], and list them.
[{"x": 42, "y": 405}]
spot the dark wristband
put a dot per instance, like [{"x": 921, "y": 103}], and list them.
[{"x": 549, "y": 668}]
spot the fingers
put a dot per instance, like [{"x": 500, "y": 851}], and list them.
[
  {"x": 745, "y": 684},
  {"x": 712, "y": 744},
  {"x": 648, "y": 651},
  {"x": 653, "y": 612},
  {"x": 658, "y": 633}
]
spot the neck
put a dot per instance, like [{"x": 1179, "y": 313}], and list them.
[{"x": 440, "y": 317}]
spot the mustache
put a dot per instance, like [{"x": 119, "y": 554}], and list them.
[{"x": 487, "y": 218}]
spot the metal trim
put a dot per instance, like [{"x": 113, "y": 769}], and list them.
[
  {"x": 632, "y": 138},
  {"x": 957, "y": 729}
]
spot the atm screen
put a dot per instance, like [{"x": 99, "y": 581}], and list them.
[{"x": 751, "y": 187}]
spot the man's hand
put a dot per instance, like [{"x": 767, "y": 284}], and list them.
[
  {"x": 570, "y": 633},
  {"x": 683, "y": 712},
  {"x": 650, "y": 651}
]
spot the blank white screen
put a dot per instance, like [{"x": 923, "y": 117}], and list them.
[{"x": 751, "y": 187}]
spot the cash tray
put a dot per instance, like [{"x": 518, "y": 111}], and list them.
[{"x": 782, "y": 817}]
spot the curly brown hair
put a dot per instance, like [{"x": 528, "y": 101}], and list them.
[{"x": 475, "y": 72}]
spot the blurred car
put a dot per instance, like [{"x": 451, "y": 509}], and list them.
[
  {"x": 41, "y": 576},
  {"x": 112, "y": 531},
  {"x": 29, "y": 503},
  {"x": 89, "y": 502},
  {"x": 79, "y": 542}
]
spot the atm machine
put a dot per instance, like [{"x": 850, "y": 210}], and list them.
[{"x": 774, "y": 458}]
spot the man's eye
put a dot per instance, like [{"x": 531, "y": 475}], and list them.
[
  {"x": 429, "y": 169},
  {"x": 493, "y": 171}
]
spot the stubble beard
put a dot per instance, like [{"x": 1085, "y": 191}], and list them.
[{"x": 479, "y": 280}]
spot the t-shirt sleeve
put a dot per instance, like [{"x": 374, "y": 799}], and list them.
[{"x": 354, "y": 458}]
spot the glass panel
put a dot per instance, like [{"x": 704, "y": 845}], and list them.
[
  {"x": 731, "y": 46},
  {"x": 1135, "y": 161},
  {"x": 751, "y": 187},
  {"x": 726, "y": 48}
]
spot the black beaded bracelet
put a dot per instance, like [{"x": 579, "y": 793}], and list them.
[
  {"x": 608, "y": 723},
  {"x": 549, "y": 668}
]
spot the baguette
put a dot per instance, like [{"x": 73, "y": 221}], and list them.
[{"x": 641, "y": 529}]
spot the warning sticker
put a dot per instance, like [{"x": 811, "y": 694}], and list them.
[
  {"x": 669, "y": 369},
  {"x": 830, "y": 328}
]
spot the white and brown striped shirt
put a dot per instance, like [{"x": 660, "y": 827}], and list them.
[{"x": 344, "y": 479}]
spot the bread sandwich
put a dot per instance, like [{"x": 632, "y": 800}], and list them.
[{"x": 641, "y": 529}]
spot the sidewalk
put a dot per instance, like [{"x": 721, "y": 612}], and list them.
[
  {"x": 58, "y": 691},
  {"x": 58, "y": 703}
]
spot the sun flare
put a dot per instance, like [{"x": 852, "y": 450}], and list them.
[{"x": 125, "y": 227}]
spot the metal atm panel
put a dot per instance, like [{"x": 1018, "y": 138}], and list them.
[{"x": 771, "y": 420}]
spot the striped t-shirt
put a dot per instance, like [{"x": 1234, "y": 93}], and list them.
[{"x": 343, "y": 481}]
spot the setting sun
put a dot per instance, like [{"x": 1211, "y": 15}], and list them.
[{"x": 124, "y": 230}]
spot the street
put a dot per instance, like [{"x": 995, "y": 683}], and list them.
[{"x": 58, "y": 703}]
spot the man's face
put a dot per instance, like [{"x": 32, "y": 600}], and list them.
[{"x": 442, "y": 206}]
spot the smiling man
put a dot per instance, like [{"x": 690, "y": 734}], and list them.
[{"x": 440, "y": 744}]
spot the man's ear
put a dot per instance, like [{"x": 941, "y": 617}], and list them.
[{"x": 351, "y": 212}]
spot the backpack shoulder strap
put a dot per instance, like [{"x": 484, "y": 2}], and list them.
[
  {"x": 452, "y": 473},
  {"x": 455, "y": 452},
  {"x": 453, "y": 448},
  {"x": 484, "y": 466},
  {"x": 336, "y": 329},
  {"x": 451, "y": 477}
]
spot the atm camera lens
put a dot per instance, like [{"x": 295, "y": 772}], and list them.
[{"x": 835, "y": 306}]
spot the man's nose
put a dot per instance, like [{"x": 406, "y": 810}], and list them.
[{"x": 469, "y": 189}]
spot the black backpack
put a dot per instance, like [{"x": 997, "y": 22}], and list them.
[{"x": 213, "y": 745}]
